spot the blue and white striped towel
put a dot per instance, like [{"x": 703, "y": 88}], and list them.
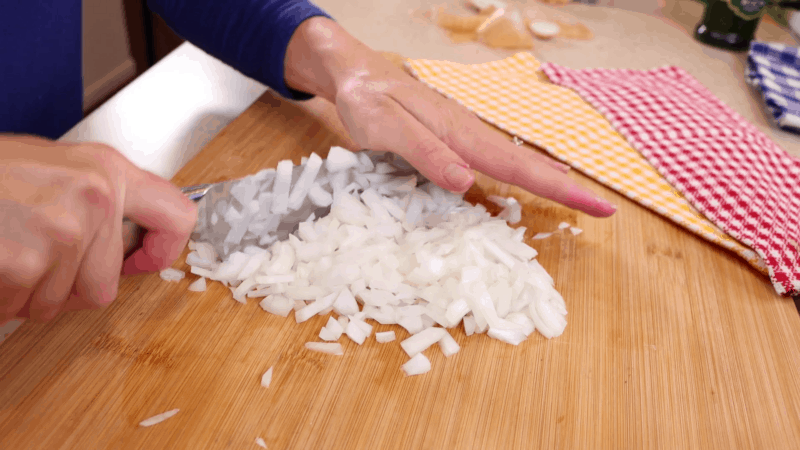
[{"x": 774, "y": 69}]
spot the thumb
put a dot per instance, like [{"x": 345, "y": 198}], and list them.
[{"x": 165, "y": 213}]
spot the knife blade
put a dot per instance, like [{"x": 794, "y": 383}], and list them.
[{"x": 214, "y": 198}]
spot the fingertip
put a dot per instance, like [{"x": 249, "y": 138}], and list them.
[
  {"x": 459, "y": 177},
  {"x": 607, "y": 209},
  {"x": 600, "y": 208},
  {"x": 158, "y": 251},
  {"x": 138, "y": 263}
]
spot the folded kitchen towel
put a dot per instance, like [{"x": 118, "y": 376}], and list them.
[
  {"x": 514, "y": 95},
  {"x": 728, "y": 169},
  {"x": 774, "y": 69}
]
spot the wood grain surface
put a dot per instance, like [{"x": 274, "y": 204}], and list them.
[{"x": 671, "y": 343}]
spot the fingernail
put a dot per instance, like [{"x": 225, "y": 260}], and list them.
[
  {"x": 459, "y": 176},
  {"x": 607, "y": 206},
  {"x": 138, "y": 263}
]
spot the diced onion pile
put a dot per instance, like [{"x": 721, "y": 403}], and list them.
[{"x": 395, "y": 249}]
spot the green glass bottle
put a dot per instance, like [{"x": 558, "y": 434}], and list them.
[{"x": 730, "y": 24}]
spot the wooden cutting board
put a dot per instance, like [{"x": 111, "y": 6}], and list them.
[{"x": 671, "y": 343}]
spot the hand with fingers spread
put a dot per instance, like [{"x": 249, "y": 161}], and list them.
[
  {"x": 385, "y": 109},
  {"x": 61, "y": 212}
]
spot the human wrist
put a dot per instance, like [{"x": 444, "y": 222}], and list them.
[{"x": 322, "y": 58}]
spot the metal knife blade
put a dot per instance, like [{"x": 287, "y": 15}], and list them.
[{"x": 216, "y": 198}]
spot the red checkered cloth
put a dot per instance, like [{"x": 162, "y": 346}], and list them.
[{"x": 730, "y": 171}]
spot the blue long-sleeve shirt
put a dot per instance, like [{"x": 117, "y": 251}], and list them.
[{"x": 41, "y": 87}]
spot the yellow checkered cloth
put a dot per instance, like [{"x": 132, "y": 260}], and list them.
[{"x": 511, "y": 95}]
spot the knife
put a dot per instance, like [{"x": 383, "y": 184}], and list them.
[{"x": 214, "y": 198}]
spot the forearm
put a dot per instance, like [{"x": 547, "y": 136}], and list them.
[{"x": 250, "y": 35}]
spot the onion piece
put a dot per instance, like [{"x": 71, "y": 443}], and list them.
[
  {"x": 448, "y": 345},
  {"x": 386, "y": 336},
  {"x": 202, "y": 272},
  {"x": 283, "y": 183},
  {"x": 304, "y": 183},
  {"x": 326, "y": 335},
  {"x": 194, "y": 259},
  {"x": 340, "y": 159},
  {"x": 158, "y": 418},
  {"x": 319, "y": 196},
  {"x": 172, "y": 274},
  {"x": 358, "y": 330},
  {"x": 314, "y": 308},
  {"x": 419, "y": 342},
  {"x": 512, "y": 337},
  {"x": 198, "y": 285},
  {"x": 334, "y": 327},
  {"x": 331, "y": 348},
  {"x": 412, "y": 324},
  {"x": 266, "y": 379},
  {"x": 417, "y": 365},
  {"x": 345, "y": 304},
  {"x": 563, "y": 225},
  {"x": 523, "y": 321},
  {"x": 542, "y": 235},
  {"x": 575, "y": 230},
  {"x": 469, "y": 325},
  {"x": 253, "y": 265},
  {"x": 275, "y": 279},
  {"x": 277, "y": 304},
  {"x": 260, "y": 442},
  {"x": 456, "y": 311}
]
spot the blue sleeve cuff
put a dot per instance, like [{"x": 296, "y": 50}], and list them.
[{"x": 249, "y": 35}]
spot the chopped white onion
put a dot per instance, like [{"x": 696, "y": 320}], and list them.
[
  {"x": 575, "y": 230},
  {"x": 266, "y": 379},
  {"x": 304, "y": 183},
  {"x": 314, "y": 308},
  {"x": 277, "y": 304},
  {"x": 172, "y": 274},
  {"x": 260, "y": 442},
  {"x": 416, "y": 256},
  {"x": 419, "y": 342},
  {"x": 320, "y": 196},
  {"x": 386, "y": 336},
  {"x": 345, "y": 304},
  {"x": 331, "y": 348},
  {"x": 283, "y": 182},
  {"x": 158, "y": 418},
  {"x": 340, "y": 159},
  {"x": 198, "y": 286},
  {"x": 512, "y": 337},
  {"x": 448, "y": 345},
  {"x": 469, "y": 325},
  {"x": 326, "y": 335},
  {"x": 417, "y": 365},
  {"x": 563, "y": 225},
  {"x": 334, "y": 327}
]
